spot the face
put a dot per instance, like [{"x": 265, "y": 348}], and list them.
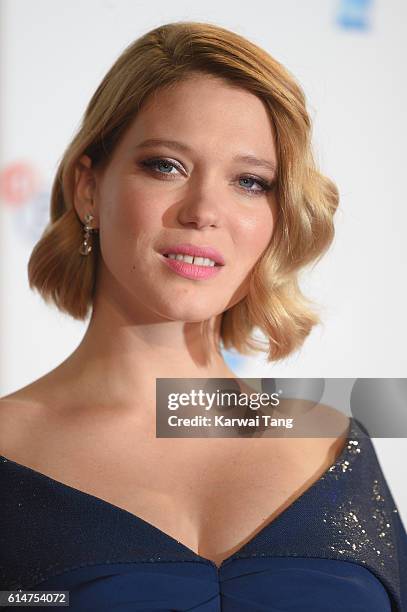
[{"x": 211, "y": 186}]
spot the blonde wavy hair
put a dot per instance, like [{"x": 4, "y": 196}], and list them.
[{"x": 307, "y": 200}]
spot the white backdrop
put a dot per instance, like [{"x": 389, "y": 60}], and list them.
[{"x": 348, "y": 57}]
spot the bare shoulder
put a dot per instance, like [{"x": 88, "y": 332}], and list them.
[
  {"x": 333, "y": 420},
  {"x": 333, "y": 427},
  {"x": 20, "y": 415}
]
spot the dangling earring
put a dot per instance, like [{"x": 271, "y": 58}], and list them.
[{"x": 85, "y": 247}]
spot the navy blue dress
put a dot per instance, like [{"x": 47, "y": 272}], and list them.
[{"x": 340, "y": 547}]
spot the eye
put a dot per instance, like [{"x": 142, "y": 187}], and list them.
[
  {"x": 163, "y": 166},
  {"x": 160, "y": 165},
  {"x": 265, "y": 186}
]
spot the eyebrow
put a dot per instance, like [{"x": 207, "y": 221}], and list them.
[{"x": 180, "y": 146}]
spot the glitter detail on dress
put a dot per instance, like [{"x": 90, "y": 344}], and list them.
[
  {"x": 355, "y": 534},
  {"x": 349, "y": 514}
]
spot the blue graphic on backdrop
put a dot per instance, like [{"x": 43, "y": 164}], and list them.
[
  {"x": 234, "y": 360},
  {"x": 354, "y": 14},
  {"x": 31, "y": 218}
]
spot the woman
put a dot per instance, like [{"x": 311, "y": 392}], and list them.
[{"x": 195, "y": 144}]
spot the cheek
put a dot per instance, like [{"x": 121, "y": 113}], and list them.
[
  {"x": 131, "y": 217},
  {"x": 252, "y": 233},
  {"x": 128, "y": 208}
]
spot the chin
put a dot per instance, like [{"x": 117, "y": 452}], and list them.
[{"x": 189, "y": 311}]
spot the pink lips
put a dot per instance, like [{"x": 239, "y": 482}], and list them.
[
  {"x": 193, "y": 271},
  {"x": 196, "y": 251}
]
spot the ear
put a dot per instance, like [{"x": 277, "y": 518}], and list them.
[{"x": 85, "y": 189}]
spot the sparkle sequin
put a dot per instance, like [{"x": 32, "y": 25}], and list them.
[{"x": 362, "y": 536}]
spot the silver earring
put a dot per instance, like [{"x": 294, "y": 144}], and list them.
[{"x": 85, "y": 247}]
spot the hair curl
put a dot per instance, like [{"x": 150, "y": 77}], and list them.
[{"x": 307, "y": 200}]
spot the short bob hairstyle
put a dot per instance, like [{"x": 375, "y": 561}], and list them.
[{"x": 307, "y": 200}]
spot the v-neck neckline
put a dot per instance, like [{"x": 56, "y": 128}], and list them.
[{"x": 113, "y": 507}]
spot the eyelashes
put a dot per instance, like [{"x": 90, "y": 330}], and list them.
[{"x": 152, "y": 165}]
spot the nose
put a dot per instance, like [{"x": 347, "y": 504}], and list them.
[{"x": 200, "y": 205}]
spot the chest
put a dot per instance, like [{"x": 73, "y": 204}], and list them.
[{"x": 211, "y": 495}]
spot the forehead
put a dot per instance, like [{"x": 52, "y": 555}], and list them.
[{"x": 208, "y": 112}]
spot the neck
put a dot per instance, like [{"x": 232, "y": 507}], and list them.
[{"x": 120, "y": 357}]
